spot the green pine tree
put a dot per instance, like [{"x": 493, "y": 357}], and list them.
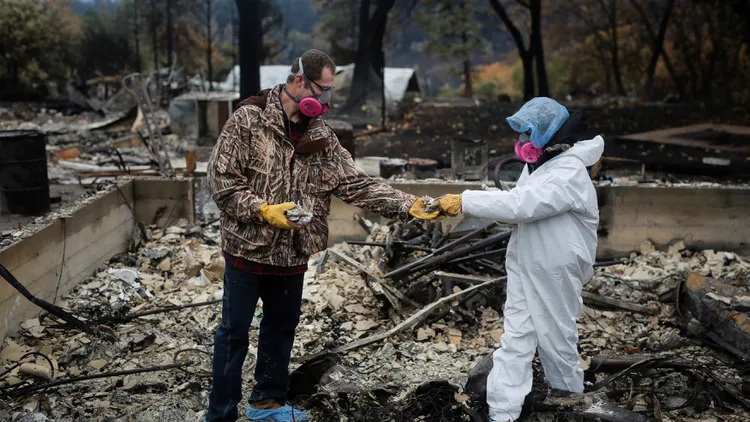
[{"x": 453, "y": 33}]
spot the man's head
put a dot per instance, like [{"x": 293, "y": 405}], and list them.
[{"x": 311, "y": 80}]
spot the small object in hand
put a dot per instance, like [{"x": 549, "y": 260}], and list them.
[
  {"x": 298, "y": 216},
  {"x": 431, "y": 204},
  {"x": 449, "y": 204}
]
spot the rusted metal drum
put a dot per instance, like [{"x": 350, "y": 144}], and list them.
[
  {"x": 24, "y": 186},
  {"x": 393, "y": 167},
  {"x": 423, "y": 168}
]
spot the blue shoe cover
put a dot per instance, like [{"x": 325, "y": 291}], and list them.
[{"x": 283, "y": 414}]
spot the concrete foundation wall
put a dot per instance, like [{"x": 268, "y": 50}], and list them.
[
  {"x": 701, "y": 217},
  {"x": 163, "y": 202},
  {"x": 54, "y": 259}
]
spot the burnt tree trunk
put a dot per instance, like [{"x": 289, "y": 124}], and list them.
[
  {"x": 209, "y": 46},
  {"x": 233, "y": 43},
  {"x": 527, "y": 59},
  {"x": 657, "y": 42},
  {"x": 369, "y": 47},
  {"x": 251, "y": 45},
  {"x": 615, "y": 49},
  {"x": 379, "y": 65},
  {"x": 362, "y": 61},
  {"x": 154, "y": 39},
  {"x": 170, "y": 33},
  {"x": 14, "y": 75},
  {"x": 466, "y": 62},
  {"x": 135, "y": 36},
  {"x": 468, "y": 85},
  {"x": 717, "y": 54},
  {"x": 742, "y": 9},
  {"x": 657, "y": 49},
  {"x": 537, "y": 50}
]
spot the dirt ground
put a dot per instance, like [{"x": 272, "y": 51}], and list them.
[{"x": 426, "y": 129}]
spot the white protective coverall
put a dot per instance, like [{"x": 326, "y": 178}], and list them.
[{"x": 550, "y": 255}]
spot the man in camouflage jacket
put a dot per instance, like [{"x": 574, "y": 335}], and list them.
[{"x": 269, "y": 158}]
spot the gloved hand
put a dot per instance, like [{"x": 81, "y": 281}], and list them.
[
  {"x": 417, "y": 210},
  {"x": 447, "y": 204},
  {"x": 274, "y": 215}
]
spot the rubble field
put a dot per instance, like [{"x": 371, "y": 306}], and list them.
[{"x": 370, "y": 347}]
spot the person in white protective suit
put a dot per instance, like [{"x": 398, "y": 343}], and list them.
[{"x": 550, "y": 255}]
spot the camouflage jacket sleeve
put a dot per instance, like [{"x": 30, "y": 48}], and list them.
[
  {"x": 227, "y": 181},
  {"x": 358, "y": 189}
]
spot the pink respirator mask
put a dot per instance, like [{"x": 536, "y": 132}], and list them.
[
  {"x": 525, "y": 150},
  {"x": 314, "y": 106}
]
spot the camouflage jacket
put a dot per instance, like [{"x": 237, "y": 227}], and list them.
[{"x": 254, "y": 162}]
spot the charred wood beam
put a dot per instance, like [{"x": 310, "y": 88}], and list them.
[
  {"x": 593, "y": 299},
  {"x": 608, "y": 364},
  {"x": 49, "y": 307},
  {"x": 473, "y": 279},
  {"x": 480, "y": 256},
  {"x": 714, "y": 305},
  {"x": 436, "y": 261},
  {"x": 135, "y": 315},
  {"x": 406, "y": 269},
  {"x": 394, "y": 243}
]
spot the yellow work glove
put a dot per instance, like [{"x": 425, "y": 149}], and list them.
[
  {"x": 449, "y": 204},
  {"x": 417, "y": 210},
  {"x": 274, "y": 215}
]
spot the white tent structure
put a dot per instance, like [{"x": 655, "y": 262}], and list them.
[
  {"x": 398, "y": 80},
  {"x": 270, "y": 76}
]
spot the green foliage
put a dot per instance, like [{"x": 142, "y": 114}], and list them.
[
  {"x": 38, "y": 39},
  {"x": 338, "y": 24},
  {"x": 558, "y": 74},
  {"x": 452, "y": 29},
  {"x": 105, "y": 48},
  {"x": 447, "y": 91},
  {"x": 491, "y": 80},
  {"x": 487, "y": 90},
  {"x": 518, "y": 74}
]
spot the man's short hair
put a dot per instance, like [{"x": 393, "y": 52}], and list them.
[{"x": 314, "y": 61}]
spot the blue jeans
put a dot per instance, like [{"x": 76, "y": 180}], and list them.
[{"x": 282, "y": 301}]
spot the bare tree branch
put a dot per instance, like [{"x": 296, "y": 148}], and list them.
[{"x": 517, "y": 36}]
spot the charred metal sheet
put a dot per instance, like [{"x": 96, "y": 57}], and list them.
[
  {"x": 720, "y": 311},
  {"x": 707, "y": 148}
]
